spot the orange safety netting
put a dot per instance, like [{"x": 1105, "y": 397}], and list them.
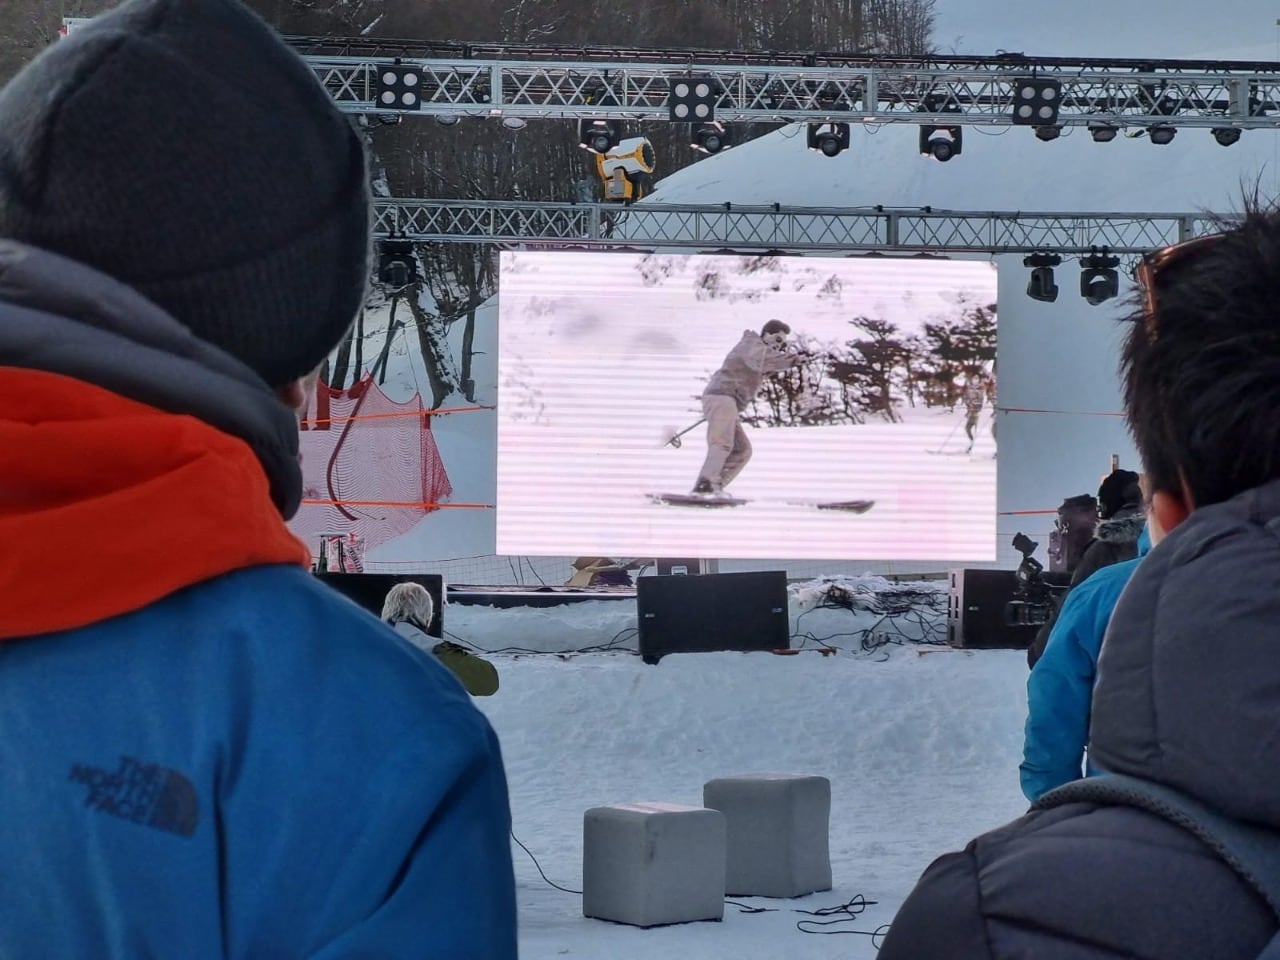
[{"x": 370, "y": 466}]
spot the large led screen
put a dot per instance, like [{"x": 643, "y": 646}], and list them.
[{"x": 870, "y": 426}]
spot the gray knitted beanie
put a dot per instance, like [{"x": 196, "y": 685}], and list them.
[{"x": 180, "y": 147}]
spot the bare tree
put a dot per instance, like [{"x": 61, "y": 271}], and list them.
[{"x": 479, "y": 158}]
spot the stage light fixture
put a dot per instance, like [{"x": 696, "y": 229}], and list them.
[
  {"x": 1041, "y": 285},
  {"x": 1099, "y": 280},
  {"x": 515, "y": 123},
  {"x": 599, "y": 136},
  {"x": 398, "y": 88},
  {"x": 829, "y": 139},
  {"x": 1035, "y": 101},
  {"x": 941, "y": 143},
  {"x": 397, "y": 267},
  {"x": 692, "y": 99},
  {"x": 1047, "y": 133},
  {"x": 1226, "y": 136},
  {"x": 710, "y": 137},
  {"x": 1103, "y": 132},
  {"x": 1161, "y": 133}
]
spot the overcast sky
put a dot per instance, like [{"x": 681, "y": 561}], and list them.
[{"x": 1228, "y": 29}]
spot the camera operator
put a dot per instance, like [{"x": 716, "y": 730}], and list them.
[
  {"x": 1121, "y": 518},
  {"x": 1033, "y": 600}
]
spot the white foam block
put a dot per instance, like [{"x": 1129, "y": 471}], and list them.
[
  {"x": 653, "y": 863},
  {"x": 778, "y": 832}
]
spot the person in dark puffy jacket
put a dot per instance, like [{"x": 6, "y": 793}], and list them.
[
  {"x": 1188, "y": 689},
  {"x": 1120, "y": 520}
]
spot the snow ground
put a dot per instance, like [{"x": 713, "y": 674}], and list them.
[{"x": 921, "y": 745}]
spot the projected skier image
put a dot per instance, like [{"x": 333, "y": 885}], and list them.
[
  {"x": 738, "y": 405},
  {"x": 729, "y": 392}
]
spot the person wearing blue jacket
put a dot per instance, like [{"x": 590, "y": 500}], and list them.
[
  {"x": 206, "y": 752},
  {"x": 1060, "y": 688},
  {"x": 1174, "y": 849}
]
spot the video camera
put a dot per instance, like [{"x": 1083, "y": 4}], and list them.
[{"x": 1033, "y": 596}]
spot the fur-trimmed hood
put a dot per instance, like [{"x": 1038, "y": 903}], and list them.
[{"x": 1123, "y": 527}]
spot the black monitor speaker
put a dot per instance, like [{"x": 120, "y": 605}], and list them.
[
  {"x": 718, "y": 611},
  {"x": 369, "y": 590},
  {"x": 977, "y": 609}
]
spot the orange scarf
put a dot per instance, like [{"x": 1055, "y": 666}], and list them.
[{"x": 107, "y": 505}]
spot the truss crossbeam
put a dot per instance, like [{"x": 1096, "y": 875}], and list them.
[
  {"x": 788, "y": 229},
  {"x": 1228, "y": 96}
]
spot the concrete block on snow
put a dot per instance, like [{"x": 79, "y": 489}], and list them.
[
  {"x": 778, "y": 833},
  {"x": 653, "y": 863}
]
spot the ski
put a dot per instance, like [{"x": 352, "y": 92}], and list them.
[
  {"x": 702, "y": 500},
  {"x": 848, "y": 506},
  {"x": 852, "y": 506},
  {"x": 695, "y": 500}
]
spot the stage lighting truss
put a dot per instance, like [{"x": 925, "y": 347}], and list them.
[
  {"x": 1226, "y": 136},
  {"x": 399, "y": 88},
  {"x": 692, "y": 99},
  {"x": 829, "y": 139},
  {"x": 1163, "y": 133},
  {"x": 941, "y": 143},
  {"x": 1035, "y": 101},
  {"x": 710, "y": 137},
  {"x": 1099, "y": 279},
  {"x": 397, "y": 266},
  {"x": 1103, "y": 132},
  {"x": 599, "y": 136},
  {"x": 1041, "y": 285}
]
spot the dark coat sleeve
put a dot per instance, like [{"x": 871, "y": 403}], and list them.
[
  {"x": 1081, "y": 882},
  {"x": 1035, "y": 650},
  {"x": 942, "y": 918},
  {"x": 1102, "y": 553}
]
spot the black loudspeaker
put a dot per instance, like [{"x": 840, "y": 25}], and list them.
[
  {"x": 976, "y": 615},
  {"x": 672, "y": 566},
  {"x": 717, "y": 611},
  {"x": 369, "y": 590}
]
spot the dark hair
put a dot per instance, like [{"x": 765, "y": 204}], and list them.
[
  {"x": 1202, "y": 387},
  {"x": 1119, "y": 489},
  {"x": 774, "y": 326}
]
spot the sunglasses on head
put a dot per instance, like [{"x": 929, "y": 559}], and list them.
[{"x": 1160, "y": 261}]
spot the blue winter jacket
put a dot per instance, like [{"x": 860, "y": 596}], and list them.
[
  {"x": 1060, "y": 687},
  {"x": 205, "y": 752}
]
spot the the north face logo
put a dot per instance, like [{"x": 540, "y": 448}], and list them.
[{"x": 145, "y": 793}]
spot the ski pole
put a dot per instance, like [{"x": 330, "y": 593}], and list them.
[
  {"x": 949, "y": 436},
  {"x": 674, "y": 439}
]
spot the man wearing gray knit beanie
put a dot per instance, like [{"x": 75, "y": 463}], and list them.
[{"x": 207, "y": 752}]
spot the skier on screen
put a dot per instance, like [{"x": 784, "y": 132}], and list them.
[
  {"x": 975, "y": 398},
  {"x": 728, "y": 393}
]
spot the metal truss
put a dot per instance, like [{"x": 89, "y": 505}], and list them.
[
  {"x": 729, "y": 227},
  {"x": 1122, "y": 93},
  {"x": 552, "y": 82}
]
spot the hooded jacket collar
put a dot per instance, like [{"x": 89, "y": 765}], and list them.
[
  {"x": 1188, "y": 690},
  {"x": 62, "y": 317},
  {"x": 107, "y": 505}
]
